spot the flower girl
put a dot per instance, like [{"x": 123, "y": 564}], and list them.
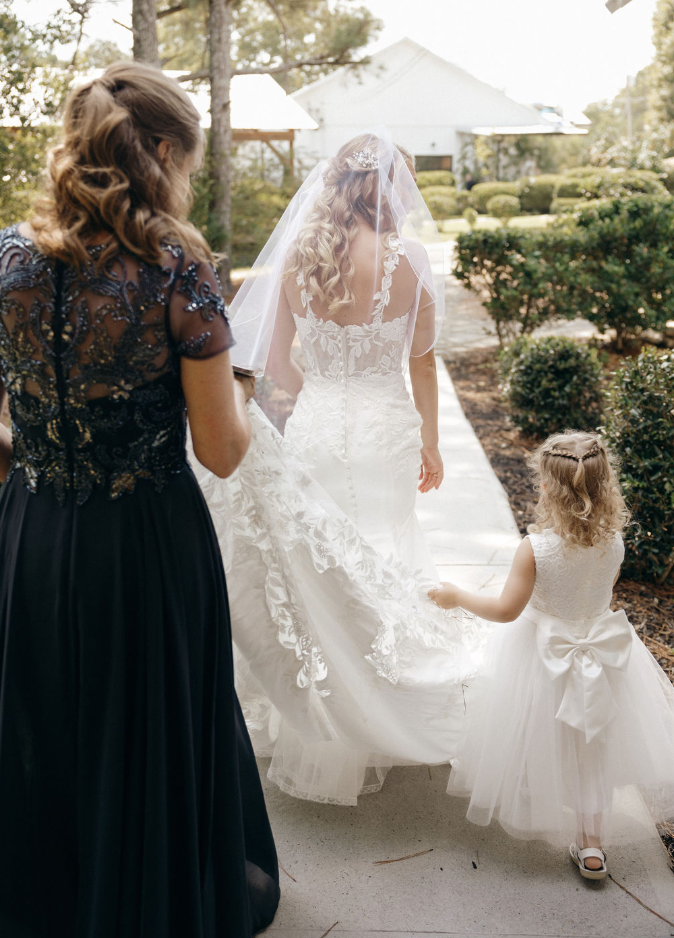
[{"x": 570, "y": 705}]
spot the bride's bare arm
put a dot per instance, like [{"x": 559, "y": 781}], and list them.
[
  {"x": 5, "y": 438},
  {"x": 280, "y": 365},
  {"x": 424, "y": 380}
]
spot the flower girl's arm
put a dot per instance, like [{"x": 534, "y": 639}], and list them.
[
  {"x": 280, "y": 365},
  {"x": 516, "y": 592},
  {"x": 5, "y": 439}
]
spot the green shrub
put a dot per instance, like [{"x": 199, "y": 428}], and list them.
[
  {"x": 601, "y": 182},
  {"x": 524, "y": 277},
  {"x": 552, "y": 384},
  {"x": 668, "y": 175},
  {"x": 484, "y": 191},
  {"x": 435, "y": 177},
  {"x": 464, "y": 199},
  {"x": 469, "y": 215},
  {"x": 444, "y": 191},
  {"x": 560, "y": 206},
  {"x": 257, "y": 207},
  {"x": 504, "y": 207},
  {"x": 640, "y": 429},
  {"x": 441, "y": 206},
  {"x": 537, "y": 192},
  {"x": 627, "y": 263},
  {"x": 570, "y": 189}
]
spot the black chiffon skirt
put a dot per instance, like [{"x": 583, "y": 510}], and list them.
[{"x": 130, "y": 803}]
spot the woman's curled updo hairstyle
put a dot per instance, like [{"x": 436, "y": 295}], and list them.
[
  {"x": 352, "y": 196},
  {"x": 106, "y": 176}
]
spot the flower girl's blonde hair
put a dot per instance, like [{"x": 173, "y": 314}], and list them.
[{"x": 579, "y": 493}]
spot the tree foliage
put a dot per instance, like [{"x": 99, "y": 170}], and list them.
[
  {"x": 32, "y": 86},
  {"x": 329, "y": 34}
]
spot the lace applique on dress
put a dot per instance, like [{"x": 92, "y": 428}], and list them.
[
  {"x": 90, "y": 362},
  {"x": 356, "y": 350}
]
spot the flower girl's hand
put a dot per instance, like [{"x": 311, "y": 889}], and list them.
[
  {"x": 432, "y": 471},
  {"x": 445, "y": 596}
]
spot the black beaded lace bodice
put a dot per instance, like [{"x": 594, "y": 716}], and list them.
[{"x": 91, "y": 362}]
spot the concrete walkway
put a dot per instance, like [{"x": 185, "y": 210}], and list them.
[{"x": 475, "y": 881}]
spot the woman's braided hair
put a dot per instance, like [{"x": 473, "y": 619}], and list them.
[{"x": 579, "y": 493}]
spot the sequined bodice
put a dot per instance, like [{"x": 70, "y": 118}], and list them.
[
  {"x": 90, "y": 361},
  {"x": 363, "y": 350},
  {"x": 574, "y": 582}
]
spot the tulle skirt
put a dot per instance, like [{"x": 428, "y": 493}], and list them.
[{"x": 537, "y": 775}]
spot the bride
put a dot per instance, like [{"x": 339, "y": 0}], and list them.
[{"x": 344, "y": 666}]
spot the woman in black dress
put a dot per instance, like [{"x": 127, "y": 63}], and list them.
[{"x": 130, "y": 805}]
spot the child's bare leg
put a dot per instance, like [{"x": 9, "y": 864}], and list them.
[{"x": 589, "y": 829}]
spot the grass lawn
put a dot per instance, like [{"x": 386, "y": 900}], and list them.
[{"x": 452, "y": 227}]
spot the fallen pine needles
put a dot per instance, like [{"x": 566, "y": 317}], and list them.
[
  {"x": 637, "y": 899},
  {"x": 409, "y": 856}
]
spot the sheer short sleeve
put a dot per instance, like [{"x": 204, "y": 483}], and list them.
[{"x": 198, "y": 317}]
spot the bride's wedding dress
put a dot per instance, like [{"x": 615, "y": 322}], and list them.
[{"x": 344, "y": 667}]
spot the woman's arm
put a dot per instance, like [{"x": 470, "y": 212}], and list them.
[
  {"x": 516, "y": 593},
  {"x": 424, "y": 380},
  {"x": 216, "y": 409},
  {"x": 280, "y": 365},
  {"x": 5, "y": 437}
]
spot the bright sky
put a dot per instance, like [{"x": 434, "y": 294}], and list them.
[{"x": 568, "y": 52}]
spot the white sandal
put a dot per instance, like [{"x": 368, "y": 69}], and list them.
[{"x": 579, "y": 856}]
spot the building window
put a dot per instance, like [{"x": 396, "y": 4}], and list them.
[{"x": 425, "y": 163}]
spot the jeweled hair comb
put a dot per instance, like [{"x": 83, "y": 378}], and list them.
[{"x": 366, "y": 158}]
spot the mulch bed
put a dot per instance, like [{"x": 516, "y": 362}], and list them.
[{"x": 650, "y": 607}]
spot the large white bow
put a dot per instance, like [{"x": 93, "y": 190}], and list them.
[{"x": 587, "y": 703}]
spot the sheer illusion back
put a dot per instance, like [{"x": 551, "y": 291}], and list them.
[
  {"x": 371, "y": 336},
  {"x": 90, "y": 363}
]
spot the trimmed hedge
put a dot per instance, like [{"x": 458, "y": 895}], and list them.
[
  {"x": 598, "y": 182},
  {"x": 560, "y": 206},
  {"x": 537, "y": 192},
  {"x": 484, "y": 191},
  {"x": 614, "y": 265},
  {"x": 640, "y": 429},
  {"x": 627, "y": 263},
  {"x": 504, "y": 207},
  {"x": 525, "y": 277},
  {"x": 435, "y": 177},
  {"x": 441, "y": 206},
  {"x": 552, "y": 384}
]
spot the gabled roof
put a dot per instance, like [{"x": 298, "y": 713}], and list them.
[{"x": 496, "y": 110}]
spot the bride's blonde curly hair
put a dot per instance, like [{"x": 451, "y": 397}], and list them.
[
  {"x": 106, "y": 176},
  {"x": 349, "y": 199},
  {"x": 579, "y": 493}
]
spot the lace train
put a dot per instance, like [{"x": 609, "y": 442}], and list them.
[{"x": 344, "y": 667}]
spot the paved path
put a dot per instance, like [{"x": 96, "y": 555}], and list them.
[{"x": 476, "y": 881}]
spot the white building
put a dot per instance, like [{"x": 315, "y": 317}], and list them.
[{"x": 430, "y": 106}]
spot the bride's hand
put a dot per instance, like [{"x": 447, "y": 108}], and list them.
[{"x": 432, "y": 472}]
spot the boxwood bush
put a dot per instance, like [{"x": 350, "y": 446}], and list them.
[
  {"x": 640, "y": 429},
  {"x": 484, "y": 191},
  {"x": 552, "y": 384},
  {"x": 524, "y": 277},
  {"x": 537, "y": 192},
  {"x": 560, "y": 206},
  {"x": 441, "y": 206},
  {"x": 504, "y": 207},
  {"x": 627, "y": 263},
  {"x": 435, "y": 177}
]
